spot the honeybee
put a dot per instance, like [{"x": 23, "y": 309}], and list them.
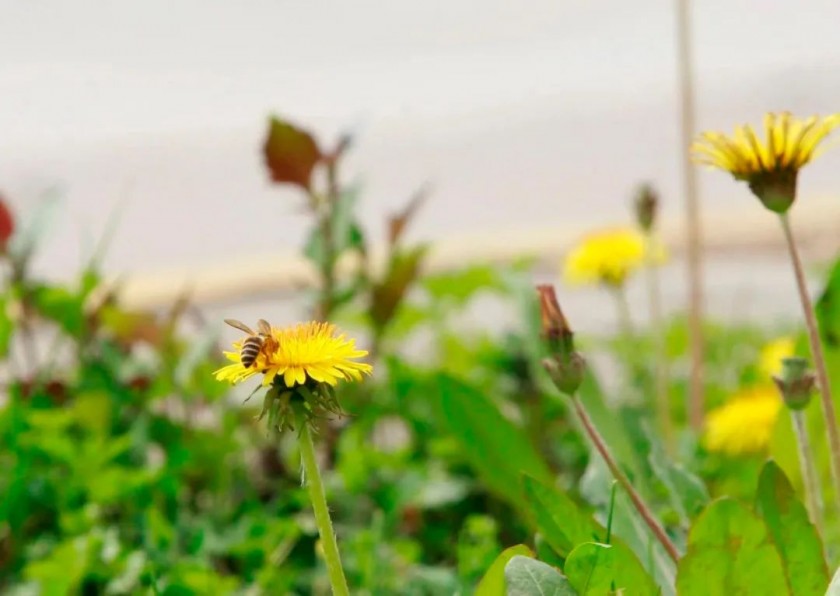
[{"x": 255, "y": 342}]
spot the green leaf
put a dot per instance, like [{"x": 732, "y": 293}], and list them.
[
  {"x": 796, "y": 538},
  {"x": 460, "y": 286},
  {"x": 60, "y": 305},
  {"x": 290, "y": 154},
  {"x": 559, "y": 519},
  {"x": 687, "y": 492},
  {"x": 7, "y": 326},
  {"x": 493, "y": 582},
  {"x": 528, "y": 577},
  {"x": 827, "y": 308},
  {"x": 594, "y": 568},
  {"x": 498, "y": 449},
  {"x": 729, "y": 552}
]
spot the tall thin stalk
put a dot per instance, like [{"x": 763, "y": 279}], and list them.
[
  {"x": 315, "y": 486},
  {"x": 641, "y": 507},
  {"x": 818, "y": 356},
  {"x": 661, "y": 372},
  {"x": 693, "y": 225},
  {"x": 813, "y": 491}
]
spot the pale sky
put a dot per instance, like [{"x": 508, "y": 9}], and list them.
[{"x": 520, "y": 113}]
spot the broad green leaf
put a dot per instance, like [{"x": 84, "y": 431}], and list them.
[
  {"x": 594, "y": 568},
  {"x": 528, "y": 577},
  {"x": 493, "y": 582},
  {"x": 795, "y": 537},
  {"x": 290, "y": 154},
  {"x": 559, "y": 519},
  {"x": 498, "y": 449},
  {"x": 730, "y": 552}
]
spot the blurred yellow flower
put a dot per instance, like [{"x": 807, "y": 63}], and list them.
[
  {"x": 306, "y": 351},
  {"x": 770, "y": 358},
  {"x": 745, "y": 423},
  {"x": 769, "y": 167},
  {"x": 608, "y": 257}
]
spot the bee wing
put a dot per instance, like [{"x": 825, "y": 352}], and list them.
[
  {"x": 263, "y": 327},
  {"x": 240, "y": 325}
]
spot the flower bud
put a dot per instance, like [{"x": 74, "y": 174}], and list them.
[
  {"x": 564, "y": 365},
  {"x": 646, "y": 206},
  {"x": 796, "y": 383}
]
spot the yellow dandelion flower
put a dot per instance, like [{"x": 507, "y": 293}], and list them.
[
  {"x": 608, "y": 257},
  {"x": 770, "y": 358},
  {"x": 769, "y": 167},
  {"x": 743, "y": 425},
  {"x": 307, "y": 351}
]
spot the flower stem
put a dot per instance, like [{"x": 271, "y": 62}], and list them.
[
  {"x": 642, "y": 508},
  {"x": 663, "y": 407},
  {"x": 312, "y": 478},
  {"x": 819, "y": 358},
  {"x": 694, "y": 242},
  {"x": 813, "y": 491}
]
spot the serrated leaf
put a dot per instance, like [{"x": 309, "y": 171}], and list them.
[
  {"x": 593, "y": 569},
  {"x": 730, "y": 552},
  {"x": 493, "y": 582},
  {"x": 795, "y": 537},
  {"x": 498, "y": 449},
  {"x": 528, "y": 577},
  {"x": 560, "y": 521},
  {"x": 290, "y": 154}
]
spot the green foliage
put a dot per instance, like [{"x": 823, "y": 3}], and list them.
[
  {"x": 594, "y": 568},
  {"x": 796, "y": 539},
  {"x": 525, "y": 577},
  {"x": 493, "y": 582},
  {"x": 730, "y": 552},
  {"x": 460, "y": 469}
]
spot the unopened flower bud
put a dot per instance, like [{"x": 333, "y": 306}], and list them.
[
  {"x": 565, "y": 366},
  {"x": 796, "y": 383},
  {"x": 646, "y": 205}
]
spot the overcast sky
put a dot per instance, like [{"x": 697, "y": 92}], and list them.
[{"x": 520, "y": 113}]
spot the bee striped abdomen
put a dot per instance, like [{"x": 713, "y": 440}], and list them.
[{"x": 250, "y": 350}]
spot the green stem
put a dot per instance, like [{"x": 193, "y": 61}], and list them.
[
  {"x": 819, "y": 358},
  {"x": 813, "y": 491},
  {"x": 641, "y": 507},
  {"x": 312, "y": 478}
]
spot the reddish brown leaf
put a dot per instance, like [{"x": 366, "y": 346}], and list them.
[
  {"x": 290, "y": 154},
  {"x": 399, "y": 221},
  {"x": 7, "y": 224}
]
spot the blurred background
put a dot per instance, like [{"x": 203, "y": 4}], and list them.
[{"x": 531, "y": 126}]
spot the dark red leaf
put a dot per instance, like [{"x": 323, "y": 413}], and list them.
[
  {"x": 290, "y": 154},
  {"x": 7, "y": 224},
  {"x": 399, "y": 221}
]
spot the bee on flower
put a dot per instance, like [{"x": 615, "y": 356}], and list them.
[
  {"x": 302, "y": 363},
  {"x": 770, "y": 168}
]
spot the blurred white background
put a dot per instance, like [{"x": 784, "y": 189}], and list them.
[{"x": 520, "y": 114}]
